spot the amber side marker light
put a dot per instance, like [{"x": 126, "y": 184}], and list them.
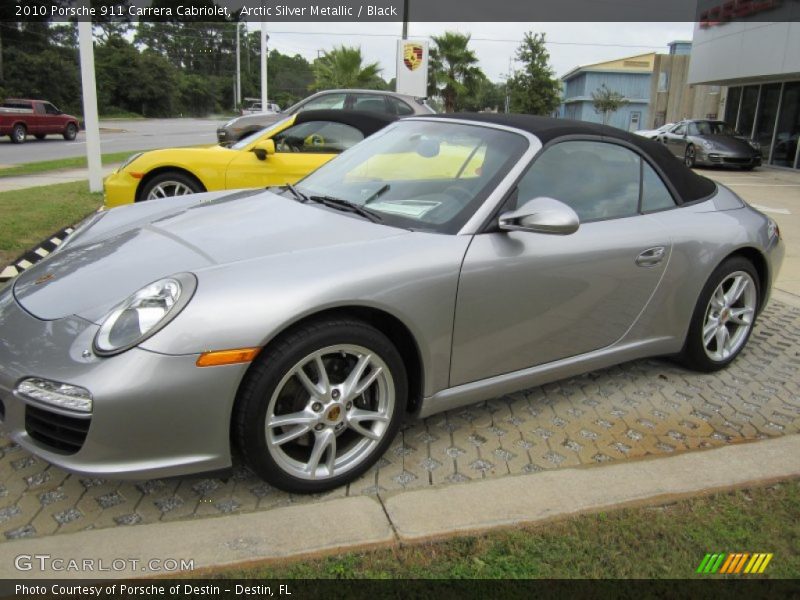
[
  {"x": 227, "y": 357},
  {"x": 136, "y": 175}
]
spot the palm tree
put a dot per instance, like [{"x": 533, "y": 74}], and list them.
[
  {"x": 453, "y": 73},
  {"x": 343, "y": 67}
]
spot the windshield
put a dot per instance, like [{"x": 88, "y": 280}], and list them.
[
  {"x": 715, "y": 128},
  {"x": 420, "y": 174},
  {"x": 246, "y": 141}
]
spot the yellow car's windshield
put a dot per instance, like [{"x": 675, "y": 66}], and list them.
[
  {"x": 420, "y": 174},
  {"x": 246, "y": 141}
]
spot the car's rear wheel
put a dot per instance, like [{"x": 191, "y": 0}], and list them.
[
  {"x": 321, "y": 405},
  {"x": 723, "y": 317},
  {"x": 169, "y": 184},
  {"x": 71, "y": 132},
  {"x": 690, "y": 157},
  {"x": 18, "y": 133}
]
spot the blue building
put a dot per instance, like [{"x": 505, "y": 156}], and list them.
[{"x": 629, "y": 76}]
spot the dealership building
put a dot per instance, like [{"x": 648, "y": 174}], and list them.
[{"x": 759, "y": 64}]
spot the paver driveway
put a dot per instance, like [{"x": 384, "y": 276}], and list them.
[{"x": 649, "y": 407}]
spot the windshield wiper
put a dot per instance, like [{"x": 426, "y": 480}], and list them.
[
  {"x": 348, "y": 206},
  {"x": 300, "y": 196},
  {"x": 377, "y": 194}
]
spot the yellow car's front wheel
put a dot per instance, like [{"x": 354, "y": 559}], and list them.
[{"x": 171, "y": 183}]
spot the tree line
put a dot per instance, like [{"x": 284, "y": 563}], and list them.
[{"x": 188, "y": 68}]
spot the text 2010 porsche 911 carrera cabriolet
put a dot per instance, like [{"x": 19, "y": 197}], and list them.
[{"x": 442, "y": 261}]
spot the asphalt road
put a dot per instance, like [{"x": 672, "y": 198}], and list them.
[{"x": 115, "y": 136}]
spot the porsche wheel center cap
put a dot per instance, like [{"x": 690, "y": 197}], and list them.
[{"x": 334, "y": 413}]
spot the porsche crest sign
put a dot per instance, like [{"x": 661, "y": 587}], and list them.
[{"x": 412, "y": 67}]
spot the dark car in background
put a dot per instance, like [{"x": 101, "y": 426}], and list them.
[
  {"x": 20, "y": 118},
  {"x": 388, "y": 103},
  {"x": 711, "y": 143}
]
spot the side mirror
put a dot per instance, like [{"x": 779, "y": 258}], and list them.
[
  {"x": 541, "y": 215},
  {"x": 264, "y": 148}
]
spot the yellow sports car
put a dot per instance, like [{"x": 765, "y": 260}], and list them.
[{"x": 283, "y": 153}]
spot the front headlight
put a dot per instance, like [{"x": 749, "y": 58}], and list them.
[
  {"x": 707, "y": 145},
  {"x": 144, "y": 313},
  {"x": 129, "y": 160},
  {"x": 754, "y": 144}
]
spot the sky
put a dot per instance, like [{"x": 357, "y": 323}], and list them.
[{"x": 569, "y": 44}]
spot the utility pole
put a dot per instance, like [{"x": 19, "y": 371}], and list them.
[
  {"x": 264, "y": 50},
  {"x": 238, "y": 95},
  {"x": 89, "y": 86}
]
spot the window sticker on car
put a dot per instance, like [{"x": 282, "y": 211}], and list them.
[{"x": 406, "y": 208}]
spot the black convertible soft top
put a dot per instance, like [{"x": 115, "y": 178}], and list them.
[
  {"x": 366, "y": 122},
  {"x": 689, "y": 185}
]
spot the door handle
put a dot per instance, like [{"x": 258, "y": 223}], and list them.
[{"x": 651, "y": 256}]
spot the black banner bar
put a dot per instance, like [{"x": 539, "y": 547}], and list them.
[{"x": 296, "y": 11}]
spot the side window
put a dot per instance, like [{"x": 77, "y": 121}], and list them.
[
  {"x": 327, "y": 101},
  {"x": 50, "y": 109},
  {"x": 655, "y": 195},
  {"x": 693, "y": 130},
  {"x": 680, "y": 129},
  {"x": 318, "y": 137},
  {"x": 598, "y": 180},
  {"x": 369, "y": 103},
  {"x": 400, "y": 108}
]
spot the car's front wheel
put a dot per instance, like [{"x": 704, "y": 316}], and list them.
[
  {"x": 690, "y": 157},
  {"x": 171, "y": 183},
  {"x": 321, "y": 405},
  {"x": 723, "y": 317},
  {"x": 71, "y": 132}
]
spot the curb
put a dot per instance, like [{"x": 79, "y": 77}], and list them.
[
  {"x": 31, "y": 257},
  {"x": 360, "y": 522}
]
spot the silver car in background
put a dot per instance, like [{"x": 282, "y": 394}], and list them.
[
  {"x": 443, "y": 261},
  {"x": 700, "y": 142},
  {"x": 386, "y": 103}
]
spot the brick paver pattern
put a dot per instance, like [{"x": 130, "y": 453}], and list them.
[{"x": 642, "y": 408}]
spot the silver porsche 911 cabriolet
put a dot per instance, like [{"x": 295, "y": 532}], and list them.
[{"x": 442, "y": 261}]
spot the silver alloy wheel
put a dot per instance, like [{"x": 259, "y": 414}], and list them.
[
  {"x": 729, "y": 316},
  {"x": 689, "y": 160},
  {"x": 169, "y": 188},
  {"x": 19, "y": 134},
  {"x": 329, "y": 412}
]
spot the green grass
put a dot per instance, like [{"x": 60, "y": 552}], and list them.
[
  {"x": 75, "y": 162},
  {"x": 652, "y": 542},
  {"x": 30, "y": 215}
]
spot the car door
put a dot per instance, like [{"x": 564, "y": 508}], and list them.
[
  {"x": 526, "y": 299},
  {"x": 52, "y": 121},
  {"x": 299, "y": 149},
  {"x": 675, "y": 140}
]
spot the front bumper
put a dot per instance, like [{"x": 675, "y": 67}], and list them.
[
  {"x": 119, "y": 188},
  {"x": 728, "y": 159},
  {"x": 153, "y": 415}
]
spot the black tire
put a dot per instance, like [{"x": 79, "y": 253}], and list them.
[
  {"x": 41, "y": 136},
  {"x": 71, "y": 132},
  {"x": 170, "y": 181},
  {"x": 689, "y": 157},
  {"x": 19, "y": 133},
  {"x": 694, "y": 355},
  {"x": 267, "y": 372}
]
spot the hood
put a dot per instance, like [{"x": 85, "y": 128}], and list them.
[
  {"x": 262, "y": 119},
  {"x": 729, "y": 143},
  {"x": 126, "y": 251}
]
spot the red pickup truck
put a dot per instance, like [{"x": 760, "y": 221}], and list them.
[{"x": 20, "y": 118}]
